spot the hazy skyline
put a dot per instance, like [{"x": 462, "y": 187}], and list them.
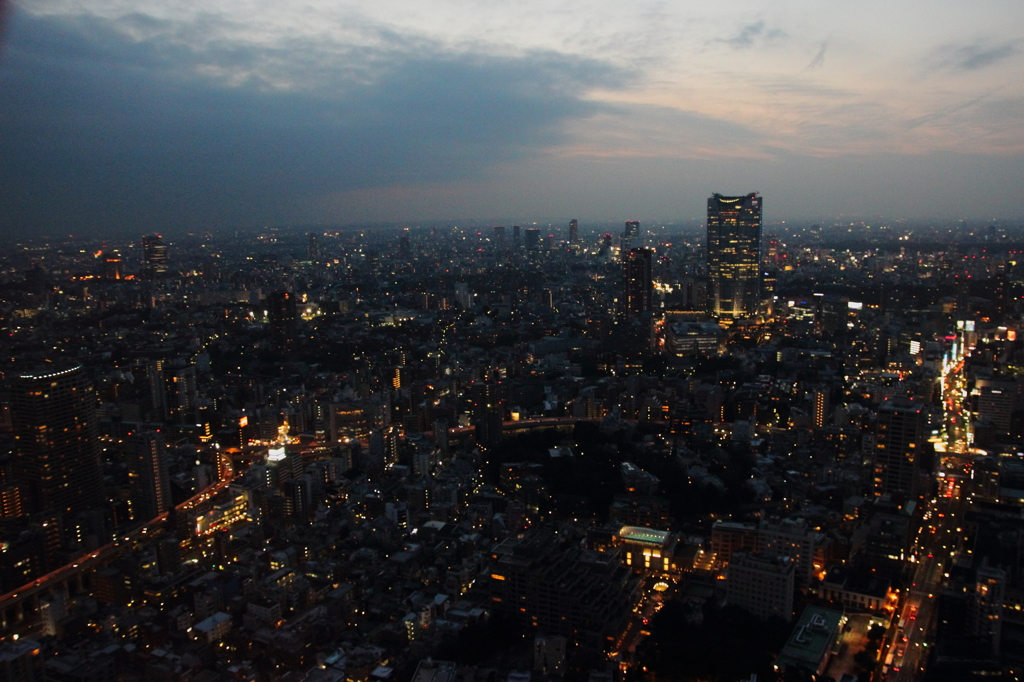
[{"x": 123, "y": 116}]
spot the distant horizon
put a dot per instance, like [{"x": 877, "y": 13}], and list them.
[{"x": 693, "y": 226}]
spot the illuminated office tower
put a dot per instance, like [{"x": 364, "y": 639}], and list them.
[
  {"x": 900, "y": 448},
  {"x": 154, "y": 255},
  {"x": 56, "y": 438},
  {"x": 734, "y": 255},
  {"x": 146, "y": 453},
  {"x": 637, "y": 283}
]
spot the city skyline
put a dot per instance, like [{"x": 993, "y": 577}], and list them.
[
  {"x": 367, "y": 451},
  {"x": 135, "y": 117}
]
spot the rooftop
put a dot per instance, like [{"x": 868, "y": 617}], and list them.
[
  {"x": 812, "y": 638},
  {"x": 644, "y": 535}
]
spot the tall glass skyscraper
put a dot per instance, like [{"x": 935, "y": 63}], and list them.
[{"x": 734, "y": 255}]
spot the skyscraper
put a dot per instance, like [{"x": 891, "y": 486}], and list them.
[
  {"x": 630, "y": 234},
  {"x": 532, "y": 238},
  {"x": 281, "y": 313},
  {"x": 734, "y": 255},
  {"x": 488, "y": 410},
  {"x": 405, "y": 244},
  {"x": 57, "y": 440},
  {"x": 900, "y": 448},
  {"x": 146, "y": 454},
  {"x": 574, "y": 232},
  {"x": 312, "y": 249},
  {"x": 637, "y": 283},
  {"x": 154, "y": 254}
]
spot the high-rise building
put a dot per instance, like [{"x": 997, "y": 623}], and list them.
[
  {"x": 630, "y": 237},
  {"x": 637, "y": 283},
  {"x": 404, "y": 244},
  {"x": 900, "y": 446},
  {"x": 532, "y": 236},
  {"x": 499, "y": 234},
  {"x": 154, "y": 254},
  {"x": 734, "y": 255},
  {"x": 312, "y": 248},
  {"x": 146, "y": 451},
  {"x": 282, "y": 314},
  {"x": 57, "y": 440},
  {"x": 515, "y": 235},
  {"x": 820, "y": 406},
  {"x": 574, "y": 232},
  {"x": 488, "y": 410}
]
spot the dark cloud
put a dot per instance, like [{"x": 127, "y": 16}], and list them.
[
  {"x": 972, "y": 57},
  {"x": 751, "y": 33},
  {"x": 976, "y": 57},
  {"x": 98, "y": 131},
  {"x": 819, "y": 58}
]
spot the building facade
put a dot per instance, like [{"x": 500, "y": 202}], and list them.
[
  {"x": 637, "y": 283},
  {"x": 734, "y": 255},
  {"x": 57, "y": 439},
  {"x": 154, "y": 256},
  {"x": 147, "y": 452},
  {"x": 899, "y": 447},
  {"x": 762, "y": 585}
]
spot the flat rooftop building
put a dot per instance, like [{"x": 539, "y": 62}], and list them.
[{"x": 813, "y": 641}]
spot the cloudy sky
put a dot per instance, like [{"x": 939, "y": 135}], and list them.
[{"x": 119, "y": 116}]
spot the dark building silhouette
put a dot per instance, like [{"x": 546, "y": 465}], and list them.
[
  {"x": 154, "y": 254},
  {"x": 488, "y": 410},
  {"x": 532, "y": 238},
  {"x": 55, "y": 431},
  {"x": 282, "y": 315},
  {"x": 574, "y": 232},
  {"x": 631, "y": 235},
  {"x": 313, "y": 249},
  {"x": 146, "y": 453},
  {"x": 405, "y": 244},
  {"x": 734, "y": 255},
  {"x": 112, "y": 266},
  {"x": 547, "y": 580}
]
